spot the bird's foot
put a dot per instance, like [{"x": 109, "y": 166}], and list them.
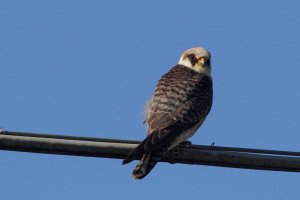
[{"x": 185, "y": 143}]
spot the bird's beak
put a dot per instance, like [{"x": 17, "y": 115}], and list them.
[{"x": 201, "y": 60}]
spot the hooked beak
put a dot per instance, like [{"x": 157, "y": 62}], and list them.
[{"x": 201, "y": 60}]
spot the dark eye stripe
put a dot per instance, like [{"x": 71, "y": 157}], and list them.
[{"x": 192, "y": 58}]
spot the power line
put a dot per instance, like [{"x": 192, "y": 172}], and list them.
[{"x": 118, "y": 149}]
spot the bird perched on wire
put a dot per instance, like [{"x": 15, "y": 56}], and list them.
[{"x": 182, "y": 99}]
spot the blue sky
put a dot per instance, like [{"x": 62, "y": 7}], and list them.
[{"x": 87, "y": 68}]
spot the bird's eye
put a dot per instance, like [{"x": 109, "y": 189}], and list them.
[
  {"x": 192, "y": 56},
  {"x": 193, "y": 59}
]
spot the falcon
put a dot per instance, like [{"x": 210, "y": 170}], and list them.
[{"x": 182, "y": 99}]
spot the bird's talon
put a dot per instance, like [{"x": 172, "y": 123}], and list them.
[{"x": 186, "y": 143}]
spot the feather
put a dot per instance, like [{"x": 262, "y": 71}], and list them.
[{"x": 182, "y": 99}]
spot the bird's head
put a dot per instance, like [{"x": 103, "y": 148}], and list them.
[{"x": 197, "y": 59}]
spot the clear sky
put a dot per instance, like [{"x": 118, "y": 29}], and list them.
[{"x": 87, "y": 68}]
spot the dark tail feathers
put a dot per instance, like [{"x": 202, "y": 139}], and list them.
[
  {"x": 147, "y": 161},
  {"x": 146, "y": 164},
  {"x": 136, "y": 154}
]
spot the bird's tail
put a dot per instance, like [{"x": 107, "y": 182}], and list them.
[
  {"x": 136, "y": 154},
  {"x": 146, "y": 164},
  {"x": 147, "y": 157}
]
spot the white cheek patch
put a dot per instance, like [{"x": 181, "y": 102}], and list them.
[{"x": 185, "y": 62}]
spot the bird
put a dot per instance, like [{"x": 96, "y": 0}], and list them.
[{"x": 182, "y": 99}]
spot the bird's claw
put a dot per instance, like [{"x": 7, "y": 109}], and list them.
[{"x": 185, "y": 143}]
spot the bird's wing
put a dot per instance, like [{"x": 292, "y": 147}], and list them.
[
  {"x": 187, "y": 114},
  {"x": 162, "y": 116},
  {"x": 181, "y": 101},
  {"x": 178, "y": 101}
]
